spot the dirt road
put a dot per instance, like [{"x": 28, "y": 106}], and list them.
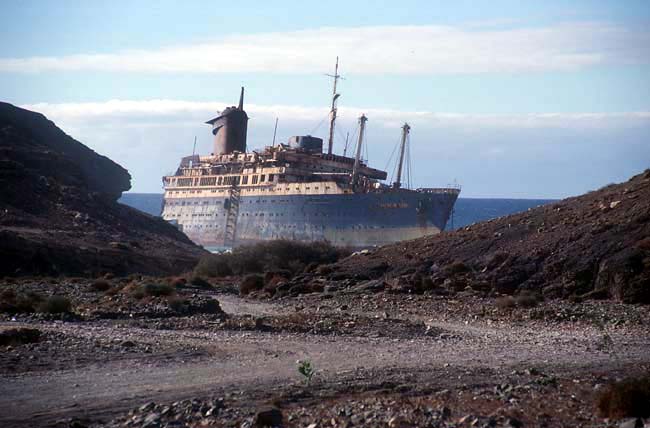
[{"x": 257, "y": 361}]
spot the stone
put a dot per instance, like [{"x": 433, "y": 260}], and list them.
[
  {"x": 268, "y": 417},
  {"x": 631, "y": 423},
  {"x": 147, "y": 407},
  {"x": 152, "y": 421}
]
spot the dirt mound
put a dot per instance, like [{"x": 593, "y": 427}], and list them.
[
  {"x": 58, "y": 209},
  {"x": 593, "y": 246}
]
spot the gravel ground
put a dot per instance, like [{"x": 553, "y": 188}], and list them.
[{"x": 380, "y": 360}]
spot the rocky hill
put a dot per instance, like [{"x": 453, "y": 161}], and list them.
[
  {"x": 58, "y": 209},
  {"x": 593, "y": 246}
]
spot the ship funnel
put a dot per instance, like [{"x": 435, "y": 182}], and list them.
[{"x": 230, "y": 129}]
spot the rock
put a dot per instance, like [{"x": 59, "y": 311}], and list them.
[
  {"x": 631, "y": 423},
  {"x": 515, "y": 423},
  {"x": 147, "y": 407},
  {"x": 268, "y": 417},
  {"x": 398, "y": 422},
  {"x": 61, "y": 214},
  {"x": 152, "y": 421}
]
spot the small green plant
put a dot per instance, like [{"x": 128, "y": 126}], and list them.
[
  {"x": 606, "y": 343},
  {"x": 306, "y": 369}
]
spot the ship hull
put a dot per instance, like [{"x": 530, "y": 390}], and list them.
[{"x": 352, "y": 220}]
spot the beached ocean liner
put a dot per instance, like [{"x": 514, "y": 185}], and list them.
[{"x": 296, "y": 191}]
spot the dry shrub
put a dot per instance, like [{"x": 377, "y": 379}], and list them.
[
  {"x": 19, "y": 336},
  {"x": 179, "y": 305},
  {"x": 644, "y": 244},
  {"x": 628, "y": 398},
  {"x": 250, "y": 283},
  {"x": 505, "y": 302},
  {"x": 157, "y": 290},
  {"x": 456, "y": 267},
  {"x": 100, "y": 285},
  {"x": 139, "y": 291},
  {"x": 527, "y": 300},
  {"x": 281, "y": 254},
  {"x": 324, "y": 269},
  {"x": 14, "y": 303},
  {"x": 112, "y": 291},
  {"x": 177, "y": 282},
  {"x": 200, "y": 282},
  {"x": 214, "y": 265},
  {"x": 8, "y": 295},
  {"x": 55, "y": 305}
]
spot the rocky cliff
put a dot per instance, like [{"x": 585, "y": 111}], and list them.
[
  {"x": 593, "y": 246},
  {"x": 58, "y": 209}
]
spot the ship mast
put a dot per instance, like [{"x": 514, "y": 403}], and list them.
[
  {"x": 357, "y": 159},
  {"x": 405, "y": 132},
  {"x": 336, "y": 76}
]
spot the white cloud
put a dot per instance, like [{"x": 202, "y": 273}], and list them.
[
  {"x": 178, "y": 111},
  {"x": 375, "y": 49},
  {"x": 525, "y": 155}
]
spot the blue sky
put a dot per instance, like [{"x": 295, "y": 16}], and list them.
[{"x": 509, "y": 98}]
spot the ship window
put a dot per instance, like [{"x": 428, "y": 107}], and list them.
[
  {"x": 219, "y": 183},
  {"x": 255, "y": 179},
  {"x": 245, "y": 180},
  {"x": 262, "y": 178},
  {"x": 271, "y": 177}
]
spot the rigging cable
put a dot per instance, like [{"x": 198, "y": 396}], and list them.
[
  {"x": 408, "y": 161},
  {"x": 313, "y": 131},
  {"x": 394, "y": 173}
]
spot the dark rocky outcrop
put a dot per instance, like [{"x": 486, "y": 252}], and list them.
[
  {"x": 592, "y": 246},
  {"x": 58, "y": 209}
]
